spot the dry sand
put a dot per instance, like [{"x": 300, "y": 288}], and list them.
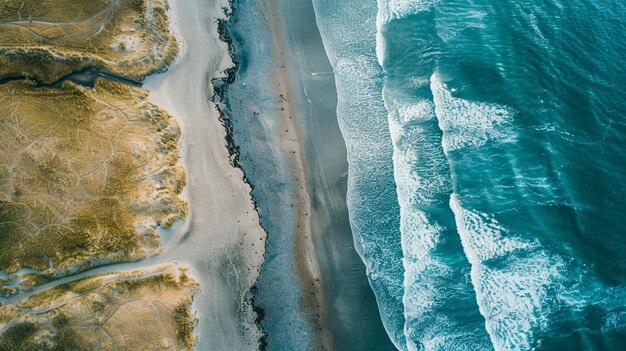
[{"x": 222, "y": 240}]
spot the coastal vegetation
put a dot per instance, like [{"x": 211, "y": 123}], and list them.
[
  {"x": 86, "y": 176},
  {"x": 138, "y": 310},
  {"x": 47, "y": 39}
]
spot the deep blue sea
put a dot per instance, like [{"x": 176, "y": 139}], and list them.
[{"x": 487, "y": 167}]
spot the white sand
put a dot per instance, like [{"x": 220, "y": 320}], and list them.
[{"x": 222, "y": 240}]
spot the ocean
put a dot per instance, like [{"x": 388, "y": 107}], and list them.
[{"x": 485, "y": 142}]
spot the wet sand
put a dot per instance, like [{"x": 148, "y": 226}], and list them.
[
  {"x": 290, "y": 139},
  {"x": 337, "y": 297},
  {"x": 352, "y": 313}
]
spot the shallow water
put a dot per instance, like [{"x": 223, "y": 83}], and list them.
[
  {"x": 348, "y": 31},
  {"x": 485, "y": 146}
]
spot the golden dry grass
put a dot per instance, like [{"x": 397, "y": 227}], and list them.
[
  {"x": 144, "y": 310},
  {"x": 86, "y": 175},
  {"x": 47, "y": 39}
]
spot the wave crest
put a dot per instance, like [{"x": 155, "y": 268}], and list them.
[{"x": 467, "y": 123}]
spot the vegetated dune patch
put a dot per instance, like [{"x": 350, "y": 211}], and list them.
[
  {"x": 86, "y": 176},
  {"x": 48, "y": 39},
  {"x": 51, "y": 10},
  {"x": 140, "y": 310}
]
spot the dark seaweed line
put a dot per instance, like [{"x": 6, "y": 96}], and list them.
[{"x": 221, "y": 101}]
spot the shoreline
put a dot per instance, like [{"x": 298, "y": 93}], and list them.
[
  {"x": 313, "y": 300},
  {"x": 352, "y": 310},
  {"x": 220, "y": 99},
  {"x": 335, "y": 289},
  {"x": 222, "y": 240}
]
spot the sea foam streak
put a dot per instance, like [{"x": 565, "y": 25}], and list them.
[
  {"x": 525, "y": 289},
  {"x": 466, "y": 123},
  {"x": 440, "y": 310},
  {"x": 516, "y": 282}
]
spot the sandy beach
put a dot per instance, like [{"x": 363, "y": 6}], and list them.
[
  {"x": 336, "y": 297},
  {"x": 222, "y": 237},
  {"x": 222, "y": 240}
]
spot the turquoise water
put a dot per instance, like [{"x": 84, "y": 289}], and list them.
[{"x": 486, "y": 168}]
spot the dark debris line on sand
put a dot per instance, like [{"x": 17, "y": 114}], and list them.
[{"x": 220, "y": 99}]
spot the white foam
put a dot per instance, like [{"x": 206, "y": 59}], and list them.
[
  {"x": 422, "y": 283},
  {"x": 389, "y": 10},
  {"x": 381, "y": 45},
  {"x": 420, "y": 168},
  {"x": 467, "y": 124},
  {"x": 427, "y": 284},
  {"x": 515, "y": 294},
  {"x": 422, "y": 179}
]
